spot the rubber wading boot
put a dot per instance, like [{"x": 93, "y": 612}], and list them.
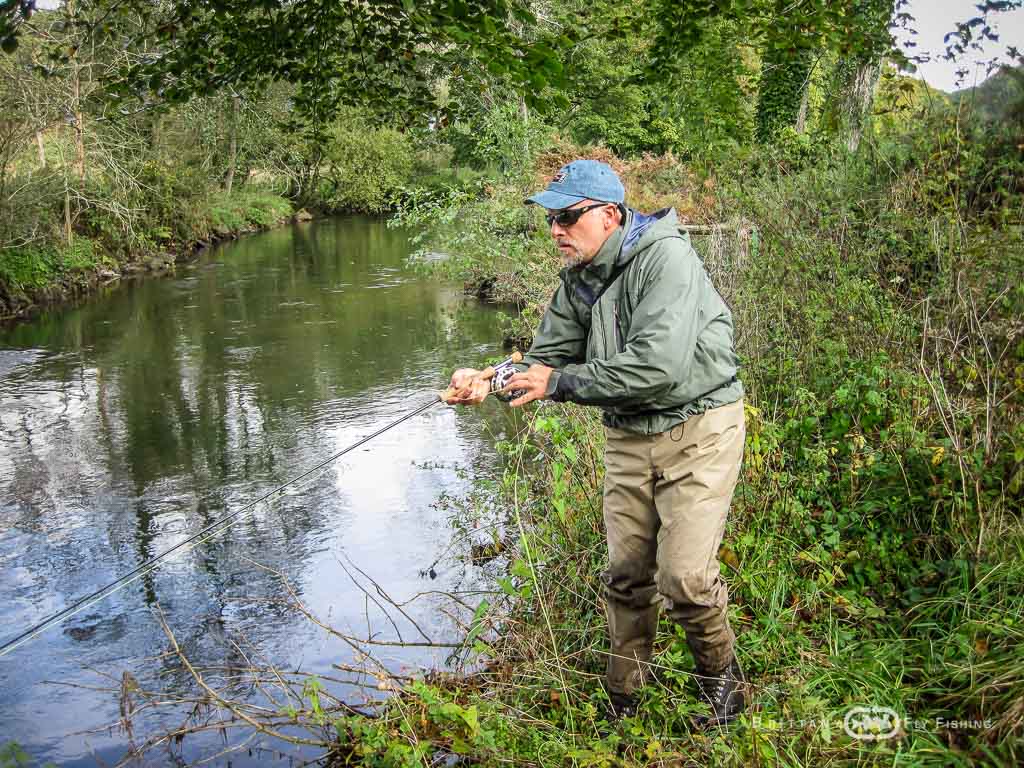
[
  {"x": 620, "y": 705},
  {"x": 723, "y": 692}
]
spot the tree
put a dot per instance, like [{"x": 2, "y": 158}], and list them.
[
  {"x": 790, "y": 37},
  {"x": 361, "y": 53},
  {"x": 785, "y": 75},
  {"x": 855, "y": 74}
]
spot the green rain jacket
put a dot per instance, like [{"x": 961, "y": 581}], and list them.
[{"x": 640, "y": 331}]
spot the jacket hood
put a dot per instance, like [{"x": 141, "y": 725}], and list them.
[
  {"x": 642, "y": 229},
  {"x": 637, "y": 232}
]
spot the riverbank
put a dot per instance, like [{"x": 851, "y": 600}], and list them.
[
  {"x": 873, "y": 552},
  {"x": 173, "y": 229},
  {"x": 34, "y": 277}
]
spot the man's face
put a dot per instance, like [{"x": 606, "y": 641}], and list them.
[{"x": 579, "y": 242}]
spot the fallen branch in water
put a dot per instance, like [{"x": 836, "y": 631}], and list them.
[
  {"x": 251, "y": 703},
  {"x": 239, "y": 710}
]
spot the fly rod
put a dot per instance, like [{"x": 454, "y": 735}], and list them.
[{"x": 502, "y": 369}]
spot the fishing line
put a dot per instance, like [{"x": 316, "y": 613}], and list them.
[{"x": 207, "y": 533}]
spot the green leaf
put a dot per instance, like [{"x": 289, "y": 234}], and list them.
[
  {"x": 477, "y": 625},
  {"x": 521, "y": 569},
  {"x": 471, "y": 718},
  {"x": 559, "y": 505}
]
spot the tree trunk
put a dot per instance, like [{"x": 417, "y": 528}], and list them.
[
  {"x": 801, "y": 118},
  {"x": 79, "y": 128},
  {"x": 860, "y": 97},
  {"x": 852, "y": 91},
  {"x": 76, "y": 102},
  {"x": 67, "y": 213},
  {"x": 784, "y": 76}
]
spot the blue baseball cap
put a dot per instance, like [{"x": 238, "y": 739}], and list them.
[{"x": 580, "y": 180}]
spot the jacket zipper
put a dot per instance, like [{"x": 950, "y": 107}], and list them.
[
  {"x": 598, "y": 318},
  {"x": 618, "y": 345}
]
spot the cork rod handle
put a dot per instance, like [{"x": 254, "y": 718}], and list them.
[{"x": 485, "y": 375}]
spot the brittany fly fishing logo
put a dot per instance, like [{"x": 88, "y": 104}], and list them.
[{"x": 871, "y": 723}]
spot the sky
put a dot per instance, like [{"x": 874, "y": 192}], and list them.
[{"x": 933, "y": 19}]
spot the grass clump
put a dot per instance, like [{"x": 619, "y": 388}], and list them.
[
  {"x": 36, "y": 266},
  {"x": 247, "y": 210}
]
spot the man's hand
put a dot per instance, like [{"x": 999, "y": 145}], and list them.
[
  {"x": 469, "y": 388},
  {"x": 534, "y": 382}
]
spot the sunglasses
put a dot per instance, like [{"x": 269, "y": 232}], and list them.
[{"x": 569, "y": 216}]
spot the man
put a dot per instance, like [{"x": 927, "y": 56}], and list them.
[{"x": 637, "y": 328}]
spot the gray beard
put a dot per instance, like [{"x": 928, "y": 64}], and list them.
[{"x": 574, "y": 259}]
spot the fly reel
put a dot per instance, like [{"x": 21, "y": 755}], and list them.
[{"x": 503, "y": 373}]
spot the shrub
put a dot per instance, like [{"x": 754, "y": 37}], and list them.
[
  {"x": 364, "y": 167},
  {"x": 242, "y": 210}
]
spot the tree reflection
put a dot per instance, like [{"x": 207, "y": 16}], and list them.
[{"x": 170, "y": 402}]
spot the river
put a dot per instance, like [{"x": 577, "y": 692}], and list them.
[{"x": 133, "y": 420}]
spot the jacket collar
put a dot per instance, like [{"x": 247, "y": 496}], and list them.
[{"x": 637, "y": 231}]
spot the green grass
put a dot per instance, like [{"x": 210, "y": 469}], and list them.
[
  {"x": 247, "y": 209},
  {"x": 33, "y": 267}
]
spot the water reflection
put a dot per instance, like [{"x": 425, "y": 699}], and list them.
[{"x": 134, "y": 420}]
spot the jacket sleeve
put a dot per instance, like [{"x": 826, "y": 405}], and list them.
[
  {"x": 560, "y": 339},
  {"x": 661, "y": 342}
]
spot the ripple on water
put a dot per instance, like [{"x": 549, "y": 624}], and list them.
[
  {"x": 385, "y": 284},
  {"x": 242, "y": 353},
  {"x": 12, "y": 359}
]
